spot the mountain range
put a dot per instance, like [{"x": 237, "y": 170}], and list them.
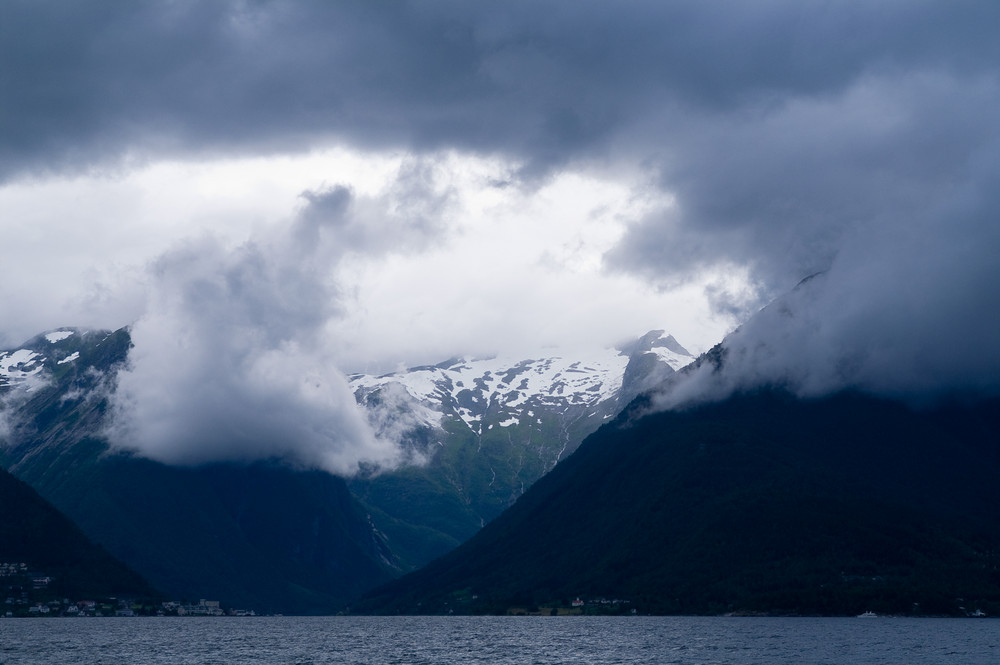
[
  {"x": 487, "y": 429},
  {"x": 741, "y": 485},
  {"x": 275, "y": 538},
  {"x": 757, "y": 501}
]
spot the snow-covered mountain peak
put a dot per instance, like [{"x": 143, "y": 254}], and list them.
[
  {"x": 664, "y": 346},
  {"x": 25, "y": 367},
  {"x": 506, "y": 391},
  {"x": 58, "y": 335}
]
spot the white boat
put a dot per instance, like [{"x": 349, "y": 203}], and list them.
[{"x": 867, "y": 615}]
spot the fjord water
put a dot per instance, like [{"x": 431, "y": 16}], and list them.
[{"x": 499, "y": 640}]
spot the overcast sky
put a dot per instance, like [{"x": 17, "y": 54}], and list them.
[{"x": 364, "y": 184}]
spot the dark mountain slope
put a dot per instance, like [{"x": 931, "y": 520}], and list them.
[
  {"x": 34, "y": 533},
  {"x": 761, "y": 503},
  {"x": 261, "y": 536}
]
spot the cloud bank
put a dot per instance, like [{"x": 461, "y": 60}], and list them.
[
  {"x": 550, "y": 82},
  {"x": 780, "y": 139}
]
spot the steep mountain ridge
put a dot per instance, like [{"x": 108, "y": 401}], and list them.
[
  {"x": 36, "y": 535},
  {"x": 762, "y": 503}
]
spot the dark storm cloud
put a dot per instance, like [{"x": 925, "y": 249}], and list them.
[
  {"x": 86, "y": 84},
  {"x": 889, "y": 189},
  {"x": 778, "y": 191},
  {"x": 858, "y": 139}
]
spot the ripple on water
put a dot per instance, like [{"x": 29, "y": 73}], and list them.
[{"x": 497, "y": 641}]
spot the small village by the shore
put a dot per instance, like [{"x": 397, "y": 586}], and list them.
[{"x": 29, "y": 593}]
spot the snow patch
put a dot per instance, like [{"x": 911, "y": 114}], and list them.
[
  {"x": 58, "y": 335},
  {"x": 20, "y": 364},
  {"x": 512, "y": 384},
  {"x": 672, "y": 358},
  {"x": 70, "y": 358},
  {"x": 491, "y": 378}
]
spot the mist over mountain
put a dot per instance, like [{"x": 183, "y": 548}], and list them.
[
  {"x": 816, "y": 341},
  {"x": 771, "y": 475},
  {"x": 260, "y": 536},
  {"x": 739, "y": 482},
  {"x": 759, "y": 503},
  {"x": 266, "y": 532},
  {"x": 231, "y": 358}
]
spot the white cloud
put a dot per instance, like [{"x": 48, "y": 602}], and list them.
[
  {"x": 75, "y": 248},
  {"x": 229, "y": 360},
  {"x": 520, "y": 270}
]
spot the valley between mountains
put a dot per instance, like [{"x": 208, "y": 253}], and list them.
[
  {"x": 478, "y": 433},
  {"x": 547, "y": 485}
]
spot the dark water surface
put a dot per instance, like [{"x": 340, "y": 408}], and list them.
[{"x": 500, "y": 640}]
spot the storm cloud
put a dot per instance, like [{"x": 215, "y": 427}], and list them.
[
  {"x": 774, "y": 141},
  {"x": 89, "y": 85},
  {"x": 889, "y": 190}
]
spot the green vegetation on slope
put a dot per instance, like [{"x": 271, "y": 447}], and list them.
[{"x": 470, "y": 479}]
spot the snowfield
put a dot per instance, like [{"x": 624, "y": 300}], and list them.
[{"x": 473, "y": 387}]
